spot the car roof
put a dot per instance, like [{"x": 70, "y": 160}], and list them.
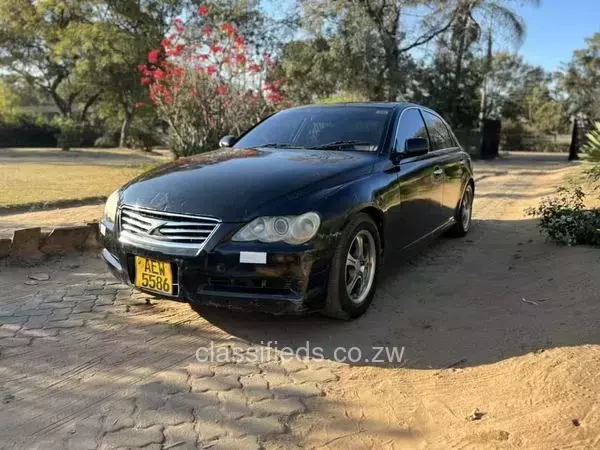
[{"x": 386, "y": 105}]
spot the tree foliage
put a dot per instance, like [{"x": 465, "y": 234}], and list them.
[
  {"x": 206, "y": 84},
  {"x": 581, "y": 80}
]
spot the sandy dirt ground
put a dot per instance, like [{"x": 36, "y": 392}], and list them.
[
  {"x": 500, "y": 336},
  {"x": 47, "y": 219}
]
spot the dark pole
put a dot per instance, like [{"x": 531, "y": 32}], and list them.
[{"x": 574, "y": 148}]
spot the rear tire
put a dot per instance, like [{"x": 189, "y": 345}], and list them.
[
  {"x": 354, "y": 269},
  {"x": 463, "y": 214}
]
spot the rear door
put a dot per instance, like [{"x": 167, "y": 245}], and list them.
[
  {"x": 450, "y": 159},
  {"x": 420, "y": 191}
]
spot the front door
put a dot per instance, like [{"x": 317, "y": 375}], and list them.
[{"x": 420, "y": 184}]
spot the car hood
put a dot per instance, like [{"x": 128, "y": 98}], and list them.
[{"x": 233, "y": 184}]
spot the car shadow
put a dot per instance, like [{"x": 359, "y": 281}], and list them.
[{"x": 501, "y": 292}]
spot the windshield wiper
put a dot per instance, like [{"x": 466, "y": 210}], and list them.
[
  {"x": 279, "y": 144},
  {"x": 341, "y": 144}
]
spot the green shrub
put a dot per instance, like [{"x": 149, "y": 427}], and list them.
[
  {"x": 142, "y": 138},
  {"x": 512, "y": 135},
  {"x": 345, "y": 97},
  {"x": 27, "y": 131},
  {"x": 70, "y": 133},
  {"x": 107, "y": 140},
  {"x": 564, "y": 219},
  {"x": 591, "y": 154}
]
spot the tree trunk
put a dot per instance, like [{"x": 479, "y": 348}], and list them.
[
  {"x": 125, "y": 127},
  {"x": 483, "y": 110},
  {"x": 461, "y": 26}
]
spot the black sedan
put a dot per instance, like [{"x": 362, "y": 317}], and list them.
[{"x": 296, "y": 214}]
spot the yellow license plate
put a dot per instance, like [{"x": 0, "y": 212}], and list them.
[{"x": 153, "y": 275}]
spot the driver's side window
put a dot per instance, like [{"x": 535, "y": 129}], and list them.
[{"x": 411, "y": 126}]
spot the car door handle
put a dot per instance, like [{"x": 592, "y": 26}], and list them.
[{"x": 438, "y": 172}]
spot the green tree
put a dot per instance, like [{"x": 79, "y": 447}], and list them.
[
  {"x": 549, "y": 117},
  {"x": 581, "y": 80},
  {"x": 371, "y": 42},
  {"x": 10, "y": 103},
  {"x": 433, "y": 82},
  {"x": 33, "y": 44},
  {"x": 471, "y": 18}
]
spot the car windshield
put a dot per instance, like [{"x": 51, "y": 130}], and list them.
[{"x": 328, "y": 128}]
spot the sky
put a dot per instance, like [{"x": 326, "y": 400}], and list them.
[{"x": 556, "y": 28}]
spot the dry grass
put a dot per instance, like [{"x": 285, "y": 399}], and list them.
[{"x": 29, "y": 183}]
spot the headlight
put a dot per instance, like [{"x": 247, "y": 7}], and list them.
[
  {"x": 110, "y": 209},
  {"x": 289, "y": 229}
]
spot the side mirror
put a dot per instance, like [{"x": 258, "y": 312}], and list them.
[
  {"x": 416, "y": 147},
  {"x": 227, "y": 141}
]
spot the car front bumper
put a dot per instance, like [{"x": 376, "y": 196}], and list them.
[{"x": 293, "y": 280}]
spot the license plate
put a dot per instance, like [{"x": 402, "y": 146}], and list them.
[{"x": 153, "y": 275}]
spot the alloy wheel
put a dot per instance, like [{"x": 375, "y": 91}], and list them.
[
  {"x": 466, "y": 208},
  {"x": 360, "y": 266}
]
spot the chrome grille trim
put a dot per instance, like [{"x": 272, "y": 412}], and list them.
[{"x": 174, "y": 234}]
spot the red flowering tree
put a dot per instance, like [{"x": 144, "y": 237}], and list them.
[{"x": 205, "y": 84}]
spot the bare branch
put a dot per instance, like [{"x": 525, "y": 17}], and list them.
[{"x": 428, "y": 36}]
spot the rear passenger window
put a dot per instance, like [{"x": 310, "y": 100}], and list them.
[
  {"x": 411, "y": 126},
  {"x": 438, "y": 132}
]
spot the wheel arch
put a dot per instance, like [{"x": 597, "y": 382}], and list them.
[{"x": 379, "y": 219}]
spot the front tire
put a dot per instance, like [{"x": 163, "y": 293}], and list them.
[{"x": 354, "y": 269}]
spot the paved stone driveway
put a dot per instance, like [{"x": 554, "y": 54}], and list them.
[{"x": 86, "y": 363}]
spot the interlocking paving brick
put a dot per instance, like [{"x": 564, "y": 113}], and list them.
[
  {"x": 59, "y": 305},
  {"x": 276, "y": 379},
  {"x": 233, "y": 404},
  {"x": 238, "y": 369},
  {"x": 231, "y": 443},
  {"x": 119, "y": 415},
  {"x": 69, "y": 323},
  {"x": 15, "y": 342},
  {"x": 38, "y": 333},
  {"x": 180, "y": 437},
  {"x": 79, "y": 298},
  {"x": 13, "y": 319},
  {"x": 256, "y": 387},
  {"x": 37, "y": 311},
  {"x": 151, "y": 395},
  {"x": 89, "y": 315},
  {"x": 104, "y": 300},
  {"x": 215, "y": 383},
  {"x": 60, "y": 314},
  {"x": 210, "y": 423},
  {"x": 261, "y": 426},
  {"x": 196, "y": 400},
  {"x": 303, "y": 390},
  {"x": 171, "y": 413},
  {"x": 8, "y": 331},
  {"x": 83, "y": 307},
  {"x": 84, "y": 434},
  {"x": 199, "y": 370},
  {"x": 132, "y": 437},
  {"x": 173, "y": 380}
]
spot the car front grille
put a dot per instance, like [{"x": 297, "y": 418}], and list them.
[{"x": 176, "y": 234}]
